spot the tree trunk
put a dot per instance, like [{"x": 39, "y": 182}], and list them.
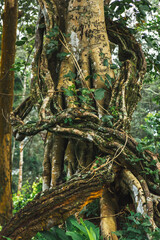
[
  {"x": 6, "y": 100},
  {"x": 21, "y": 147},
  {"x": 109, "y": 207},
  {"x": 53, "y": 207},
  {"x": 86, "y": 108}
]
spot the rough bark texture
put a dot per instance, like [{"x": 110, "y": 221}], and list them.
[
  {"x": 6, "y": 100},
  {"x": 109, "y": 207},
  {"x": 56, "y": 205},
  {"x": 72, "y": 60}
]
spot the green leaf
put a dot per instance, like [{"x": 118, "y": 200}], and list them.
[
  {"x": 74, "y": 235},
  {"x": 142, "y": 10},
  {"x": 82, "y": 98},
  {"x": 88, "y": 77},
  {"x": 6, "y": 238},
  {"x": 20, "y": 43},
  {"x": 68, "y": 92},
  {"x": 49, "y": 51},
  {"x": 109, "y": 77},
  {"x": 89, "y": 229},
  {"x": 113, "y": 66},
  {"x": 144, "y": 7},
  {"x": 158, "y": 57},
  {"x": 29, "y": 30},
  {"x": 95, "y": 75},
  {"x": 70, "y": 75},
  {"x": 139, "y": 147},
  {"x": 106, "y": 118},
  {"x": 107, "y": 84},
  {"x": 24, "y": 38},
  {"x": 62, "y": 55},
  {"x": 113, "y": 5},
  {"x": 77, "y": 225},
  {"x": 131, "y": 229},
  {"x": 118, "y": 233},
  {"x": 47, "y": 235},
  {"x": 146, "y": 224},
  {"x": 108, "y": 81},
  {"x": 92, "y": 234},
  {"x": 69, "y": 225},
  {"x": 99, "y": 93},
  {"x": 120, "y": 9},
  {"x": 61, "y": 234},
  {"x": 105, "y": 62}
]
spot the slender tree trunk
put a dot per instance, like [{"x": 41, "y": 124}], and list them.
[
  {"x": 21, "y": 146},
  {"x": 6, "y": 101}
]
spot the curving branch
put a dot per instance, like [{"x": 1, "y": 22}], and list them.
[{"x": 87, "y": 126}]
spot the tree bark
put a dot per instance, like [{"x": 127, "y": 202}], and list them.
[
  {"x": 53, "y": 207},
  {"x": 109, "y": 207},
  {"x": 6, "y": 100}
]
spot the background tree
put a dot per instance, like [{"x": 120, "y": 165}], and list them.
[
  {"x": 6, "y": 101},
  {"x": 32, "y": 167},
  {"x": 92, "y": 100}
]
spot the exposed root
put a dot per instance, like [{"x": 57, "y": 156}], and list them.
[
  {"x": 47, "y": 162},
  {"x": 57, "y": 162},
  {"x": 140, "y": 194},
  {"x": 136, "y": 191},
  {"x": 109, "y": 207}
]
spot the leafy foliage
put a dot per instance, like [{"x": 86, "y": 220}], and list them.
[
  {"x": 27, "y": 194},
  {"x": 53, "y": 43},
  {"x": 32, "y": 167},
  {"x": 138, "y": 8},
  {"x": 107, "y": 119},
  {"x": 84, "y": 230},
  {"x": 62, "y": 55},
  {"x": 152, "y": 131},
  {"x": 137, "y": 227},
  {"x": 93, "y": 209},
  {"x": 99, "y": 93}
]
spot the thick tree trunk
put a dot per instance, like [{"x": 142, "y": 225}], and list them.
[{"x": 6, "y": 100}]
